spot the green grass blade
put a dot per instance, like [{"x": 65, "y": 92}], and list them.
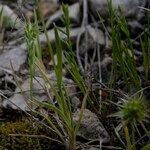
[{"x": 58, "y": 67}]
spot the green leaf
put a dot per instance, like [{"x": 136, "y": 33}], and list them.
[
  {"x": 58, "y": 67},
  {"x": 147, "y": 147}
]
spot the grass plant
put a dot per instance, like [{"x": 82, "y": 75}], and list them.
[
  {"x": 31, "y": 35},
  {"x": 62, "y": 112},
  {"x": 134, "y": 110},
  {"x": 145, "y": 44},
  {"x": 122, "y": 53}
]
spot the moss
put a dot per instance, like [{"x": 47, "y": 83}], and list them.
[{"x": 25, "y": 127}]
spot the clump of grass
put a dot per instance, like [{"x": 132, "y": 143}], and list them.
[
  {"x": 145, "y": 44},
  {"x": 134, "y": 110},
  {"x": 146, "y": 147},
  {"x": 31, "y": 35},
  {"x": 66, "y": 129},
  {"x": 122, "y": 53}
]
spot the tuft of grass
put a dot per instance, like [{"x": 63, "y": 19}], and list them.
[
  {"x": 145, "y": 44},
  {"x": 66, "y": 129},
  {"x": 31, "y": 35},
  {"x": 134, "y": 110},
  {"x": 146, "y": 147},
  {"x": 122, "y": 53}
]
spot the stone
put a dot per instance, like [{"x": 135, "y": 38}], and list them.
[
  {"x": 91, "y": 128},
  {"x": 97, "y": 35},
  {"x": 13, "y": 58},
  {"x": 10, "y": 18},
  {"x": 74, "y": 15},
  {"x": 48, "y": 7},
  {"x": 130, "y": 8},
  {"x": 21, "y": 99}
]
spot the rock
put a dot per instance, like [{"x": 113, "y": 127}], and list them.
[
  {"x": 7, "y": 85},
  {"x": 48, "y": 7},
  {"x": 16, "y": 57},
  {"x": 135, "y": 27},
  {"x": 74, "y": 15},
  {"x": 91, "y": 128},
  {"x": 130, "y": 8},
  {"x": 10, "y": 18},
  {"x": 75, "y": 103},
  {"x": 73, "y": 35},
  {"x": 68, "y": 83},
  {"x": 87, "y": 44},
  {"x": 21, "y": 99},
  {"x": 97, "y": 35},
  {"x": 106, "y": 64},
  {"x": 2, "y": 72}
]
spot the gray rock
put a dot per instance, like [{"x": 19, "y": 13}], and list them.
[
  {"x": 97, "y": 35},
  {"x": 73, "y": 35},
  {"x": 21, "y": 99},
  {"x": 91, "y": 128},
  {"x": 16, "y": 57},
  {"x": 130, "y": 8},
  {"x": 74, "y": 15},
  {"x": 75, "y": 103},
  {"x": 12, "y": 18}
]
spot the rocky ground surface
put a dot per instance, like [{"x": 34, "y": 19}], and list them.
[{"x": 92, "y": 47}]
